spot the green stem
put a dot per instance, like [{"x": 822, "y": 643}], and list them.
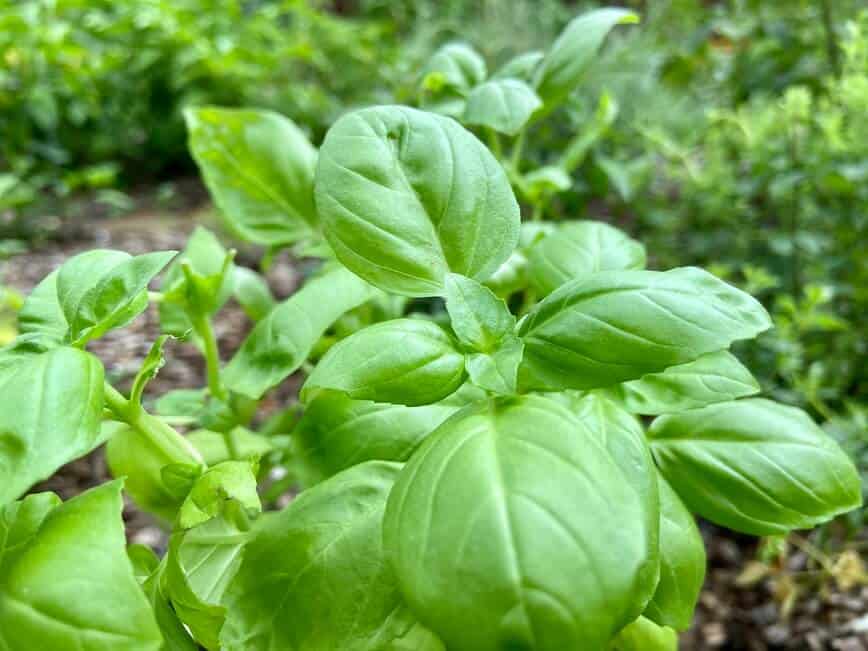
[
  {"x": 832, "y": 47},
  {"x": 202, "y": 326},
  {"x": 161, "y": 435},
  {"x": 494, "y": 144},
  {"x": 517, "y": 150}
]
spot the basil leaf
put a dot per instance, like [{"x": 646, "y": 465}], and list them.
[
  {"x": 574, "y": 50},
  {"x": 20, "y": 521},
  {"x": 755, "y": 466},
  {"x": 403, "y": 361},
  {"x": 175, "y": 636},
  {"x": 41, "y": 313},
  {"x": 645, "y": 635},
  {"x": 214, "y": 448},
  {"x": 69, "y": 584},
  {"x": 544, "y": 182},
  {"x": 407, "y": 196},
  {"x": 448, "y": 76},
  {"x": 521, "y": 66},
  {"x": 219, "y": 484},
  {"x": 282, "y": 341},
  {"x": 463, "y": 523},
  {"x": 252, "y": 293},
  {"x": 314, "y": 577},
  {"x": 615, "y": 326},
  {"x": 497, "y": 371},
  {"x": 58, "y": 401},
  {"x": 479, "y": 318},
  {"x": 715, "y": 377},
  {"x": 577, "y": 249},
  {"x": 258, "y": 167},
  {"x": 682, "y": 563},
  {"x": 504, "y": 105},
  {"x": 337, "y": 432}
]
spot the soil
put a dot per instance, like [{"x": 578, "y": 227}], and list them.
[{"x": 796, "y": 607}]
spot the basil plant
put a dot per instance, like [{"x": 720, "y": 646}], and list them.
[{"x": 489, "y": 461}]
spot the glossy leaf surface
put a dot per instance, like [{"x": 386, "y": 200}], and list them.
[{"x": 504, "y": 105}]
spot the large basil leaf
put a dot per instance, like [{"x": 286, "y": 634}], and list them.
[
  {"x": 682, "y": 563},
  {"x": 281, "y": 342},
  {"x": 573, "y": 51},
  {"x": 615, "y": 326},
  {"x": 258, "y": 167},
  {"x": 504, "y": 105},
  {"x": 67, "y": 583},
  {"x": 407, "y": 196},
  {"x": 463, "y": 531},
  {"x": 41, "y": 313},
  {"x": 314, "y": 577},
  {"x": 337, "y": 432},
  {"x": 715, "y": 377},
  {"x": 479, "y": 318},
  {"x": 755, "y": 466},
  {"x": 52, "y": 415},
  {"x": 645, "y": 635},
  {"x": 578, "y": 249},
  {"x": 402, "y": 361}
]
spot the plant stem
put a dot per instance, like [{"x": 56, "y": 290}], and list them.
[
  {"x": 202, "y": 326},
  {"x": 831, "y": 39},
  {"x": 161, "y": 435},
  {"x": 494, "y": 144},
  {"x": 517, "y": 150}
]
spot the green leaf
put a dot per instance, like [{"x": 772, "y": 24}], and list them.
[
  {"x": 682, "y": 563},
  {"x": 314, "y": 577},
  {"x": 755, "y": 466},
  {"x": 574, "y": 50},
  {"x": 521, "y": 66},
  {"x": 463, "y": 531},
  {"x": 53, "y": 405},
  {"x": 645, "y": 635},
  {"x": 407, "y": 196},
  {"x": 200, "y": 565},
  {"x": 135, "y": 457},
  {"x": 402, "y": 361},
  {"x": 41, "y": 313},
  {"x": 69, "y": 583},
  {"x": 479, "y": 318},
  {"x": 100, "y": 290},
  {"x": 497, "y": 371},
  {"x": 182, "y": 403},
  {"x": 544, "y": 182},
  {"x": 715, "y": 377},
  {"x": 615, "y": 326},
  {"x": 151, "y": 365},
  {"x": 459, "y": 64},
  {"x": 214, "y": 446},
  {"x": 504, "y": 105},
  {"x": 578, "y": 249},
  {"x": 252, "y": 293},
  {"x": 337, "y": 432},
  {"x": 282, "y": 341},
  {"x": 230, "y": 480},
  {"x": 21, "y": 520},
  {"x": 258, "y": 167}
]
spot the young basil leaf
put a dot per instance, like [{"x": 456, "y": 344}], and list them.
[
  {"x": 202, "y": 289},
  {"x": 497, "y": 371},
  {"x": 20, "y": 521},
  {"x": 175, "y": 636},
  {"x": 282, "y": 341},
  {"x": 200, "y": 565},
  {"x": 715, "y": 377},
  {"x": 133, "y": 456},
  {"x": 230, "y": 480},
  {"x": 314, "y": 577},
  {"x": 755, "y": 466},
  {"x": 54, "y": 404},
  {"x": 69, "y": 583},
  {"x": 252, "y": 293},
  {"x": 615, "y": 326},
  {"x": 41, "y": 313},
  {"x": 337, "y": 432},
  {"x": 479, "y": 318},
  {"x": 403, "y": 361},
  {"x": 521, "y": 66},
  {"x": 462, "y": 530},
  {"x": 258, "y": 167},
  {"x": 448, "y": 76},
  {"x": 645, "y": 635},
  {"x": 544, "y": 182},
  {"x": 573, "y": 51},
  {"x": 504, "y": 105},
  {"x": 578, "y": 249},
  {"x": 101, "y": 290},
  {"x": 215, "y": 446},
  {"x": 682, "y": 563},
  {"x": 407, "y": 196}
]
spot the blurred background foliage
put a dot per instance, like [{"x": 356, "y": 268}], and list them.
[{"x": 729, "y": 134}]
